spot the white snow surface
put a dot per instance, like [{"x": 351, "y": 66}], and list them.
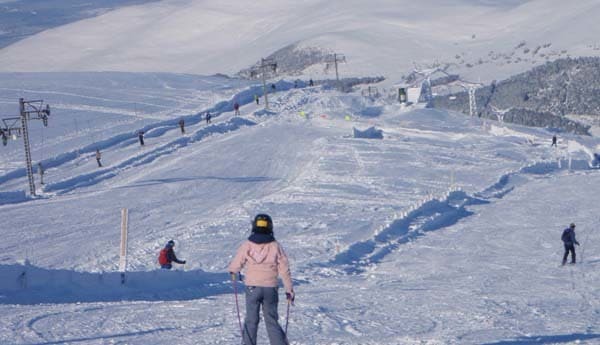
[
  {"x": 482, "y": 40},
  {"x": 446, "y": 231}
]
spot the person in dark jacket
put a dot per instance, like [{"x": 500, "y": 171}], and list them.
[
  {"x": 182, "y": 126},
  {"x": 553, "y": 141},
  {"x": 208, "y": 117},
  {"x": 236, "y": 107},
  {"x": 141, "y": 137},
  {"x": 41, "y": 172},
  {"x": 167, "y": 256},
  {"x": 569, "y": 240},
  {"x": 98, "y": 157}
]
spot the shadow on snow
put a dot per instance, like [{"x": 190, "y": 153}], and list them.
[
  {"x": 27, "y": 284},
  {"x": 246, "y": 179},
  {"x": 111, "y": 336},
  {"x": 547, "y": 339}
]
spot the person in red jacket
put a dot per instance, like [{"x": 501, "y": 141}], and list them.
[{"x": 167, "y": 256}]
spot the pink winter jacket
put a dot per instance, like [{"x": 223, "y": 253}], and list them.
[{"x": 263, "y": 263}]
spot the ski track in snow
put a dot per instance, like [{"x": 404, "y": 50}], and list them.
[{"x": 430, "y": 214}]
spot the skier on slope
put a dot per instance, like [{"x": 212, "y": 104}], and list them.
[
  {"x": 596, "y": 161},
  {"x": 167, "y": 256},
  {"x": 264, "y": 260},
  {"x": 41, "y": 172},
  {"x": 236, "y": 107},
  {"x": 256, "y": 99},
  {"x": 98, "y": 157},
  {"x": 141, "y": 137},
  {"x": 568, "y": 238},
  {"x": 553, "y": 141},
  {"x": 208, "y": 117},
  {"x": 182, "y": 125}
]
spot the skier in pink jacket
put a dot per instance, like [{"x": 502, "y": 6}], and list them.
[{"x": 264, "y": 261}]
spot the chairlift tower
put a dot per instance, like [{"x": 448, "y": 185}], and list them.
[
  {"x": 468, "y": 86},
  {"x": 425, "y": 81},
  {"x": 266, "y": 65},
  {"x": 472, "y": 101},
  {"x": 28, "y": 110},
  {"x": 335, "y": 59}
]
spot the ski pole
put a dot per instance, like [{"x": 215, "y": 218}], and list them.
[
  {"x": 287, "y": 316},
  {"x": 237, "y": 305},
  {"x": 583, "y": 245}
]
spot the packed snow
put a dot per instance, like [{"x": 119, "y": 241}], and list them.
[
  {"x": 446, "y": 231},
  {"x": 403, "y": 224}
]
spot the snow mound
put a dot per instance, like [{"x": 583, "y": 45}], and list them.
[
  {"x": 369, "y": 133},
  {"x": 27, "y": 284}
]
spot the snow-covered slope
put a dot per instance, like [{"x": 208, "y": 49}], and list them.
[
  {"x": 481, "y": 39},
  {"x": 22, "y": 18},
  {"x": 446, "y": 231}
]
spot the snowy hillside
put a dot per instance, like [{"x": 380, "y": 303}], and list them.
[
  {"x": 481, "y": 40},
  {"x": 403, "y": 224},
  {"x": 22, "y": 18},
  {"x": 446, "y": 231}
]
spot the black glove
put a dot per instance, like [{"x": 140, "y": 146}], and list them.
[
  {"x": 291, "y": 297},
  {"x": 183, "y": 262},
  {"x": 577, "y": 243}
]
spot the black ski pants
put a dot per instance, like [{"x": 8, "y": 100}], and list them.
[{"x": 569, "y": 247}]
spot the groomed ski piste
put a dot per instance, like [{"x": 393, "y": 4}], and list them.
[
  {"x": 446, "y": 231},
  {"x": 403, "y": 225}
]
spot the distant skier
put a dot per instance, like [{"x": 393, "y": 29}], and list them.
[
  {"x": 208, "y": 117},
  {"x": 264, "y": 260},
  {"x": 553, "y": 141},
  {"x": 182, "y": 126},
  {"x": 41, "y": 172},
  {"x": 98, "y": 157},
  {"x": 256, "y": 99},
  {"x": 167, "y": 256},
  {"x": 311, "y": 82},
  {"x": 295, "y": 84},
  {"x": 141, "y": 137},
  {"x": 273, "y": 87},
  {"x": 568, "y": 238},
  {"x": 236, "y": 107}
]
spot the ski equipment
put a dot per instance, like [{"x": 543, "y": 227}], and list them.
[
  {"x": 287, "y": 317},
  {"x": 237, "y": 304},
  {"x": 262, "y": 224}
]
